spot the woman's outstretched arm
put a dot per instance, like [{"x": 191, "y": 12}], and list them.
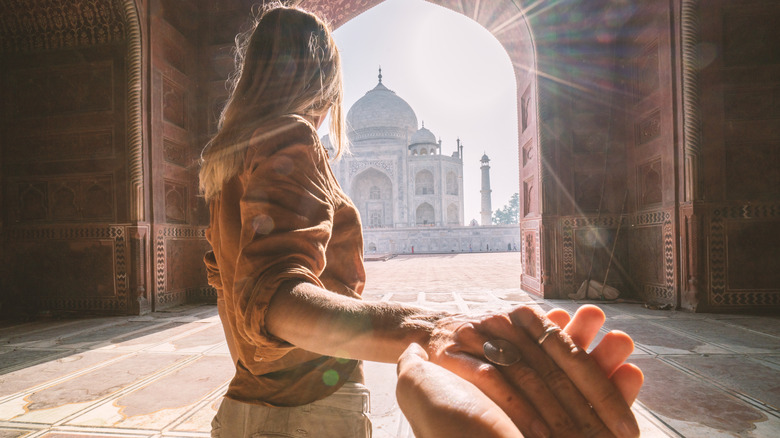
[{"x": 552, "y": 388}]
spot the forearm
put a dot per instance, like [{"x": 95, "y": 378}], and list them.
[{"x": 317, "y": 320}]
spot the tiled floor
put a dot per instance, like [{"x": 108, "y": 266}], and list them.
[{"x": 162, "y": 375}]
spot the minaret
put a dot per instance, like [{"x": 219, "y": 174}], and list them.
[{"x": 487, "y": 210}]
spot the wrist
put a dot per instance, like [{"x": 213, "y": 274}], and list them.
[{"x": 421, "y": 326}]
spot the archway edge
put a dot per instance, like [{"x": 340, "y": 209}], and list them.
[
  {"x": 504, "y": 19},
  {"x": 510, "y": 22}
]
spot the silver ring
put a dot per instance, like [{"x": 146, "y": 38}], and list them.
[
  {"x": 547, "y": 333},
  {"x": 501, "y": 352}
]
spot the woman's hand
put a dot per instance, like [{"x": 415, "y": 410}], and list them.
[
  {"x": 556, "y": 388},
  {"x": 611, "y": 352}
]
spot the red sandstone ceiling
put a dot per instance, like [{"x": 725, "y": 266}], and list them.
[{"x": 37, "y": 25}]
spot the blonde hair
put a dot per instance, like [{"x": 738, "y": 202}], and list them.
[{"x": 286, "y": 64}]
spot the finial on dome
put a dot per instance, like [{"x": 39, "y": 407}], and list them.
[
  {"x": 380, "y": 74},
  {"x": 423, "y": 123}
]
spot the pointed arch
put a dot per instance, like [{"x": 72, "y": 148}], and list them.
[{"x": 425, "y": 215}]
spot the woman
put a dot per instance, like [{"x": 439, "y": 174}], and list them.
[{"x": 287, "y": 265}]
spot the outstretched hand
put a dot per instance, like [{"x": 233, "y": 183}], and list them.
[{"x": 556, "y": 389}]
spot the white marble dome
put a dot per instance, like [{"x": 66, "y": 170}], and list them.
[
  {"x": 423, "y": 136},
  {"x": 381, "y": 110}
]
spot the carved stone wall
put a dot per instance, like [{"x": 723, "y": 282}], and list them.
[
  {"x": 36, "y": 26},
  {"x": 65, "y": 197},
  {"x": 80, "y": 269},
  {"x": 649, "y": 113},
  {"x": 179, "y": 268},
  {"x": 178, "y": 134},
  {"x": 106, "y": 105},
  {"x": 740, "y": 155},
  {"x": 582, "y": 146}
]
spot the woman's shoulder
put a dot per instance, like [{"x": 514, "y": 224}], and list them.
[
  {"x": 292, "y": 137},
  {"x": 272, "y": 135}
]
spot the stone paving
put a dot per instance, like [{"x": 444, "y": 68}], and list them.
[{"x": 163, "y": 375}]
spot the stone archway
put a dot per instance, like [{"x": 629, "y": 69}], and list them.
[
  {"x": 508, "y": 21},
  {"x": 423, "y": 183},
  {"x": 86, "y": 58},
  {"x": 372, "y": 192},
  {"x": 425, "y": 215}
]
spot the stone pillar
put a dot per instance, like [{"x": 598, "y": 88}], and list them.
[
  {"x": 487, "y": 210},
  {"x": 690, "y": 214}
]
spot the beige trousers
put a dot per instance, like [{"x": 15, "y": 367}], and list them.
[{"x": 343, "y": 414}]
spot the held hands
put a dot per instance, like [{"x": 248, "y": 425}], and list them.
[{"x": 555, "y": 389}]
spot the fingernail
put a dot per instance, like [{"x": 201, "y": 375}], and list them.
[{"x": 540, "y": 429}]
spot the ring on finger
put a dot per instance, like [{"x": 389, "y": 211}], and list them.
[
  {"x": 547, "y": 333},
  {"x": 501, "y": 352}
]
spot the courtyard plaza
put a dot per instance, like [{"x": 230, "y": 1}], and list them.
[{"x": 163, "y": 374}]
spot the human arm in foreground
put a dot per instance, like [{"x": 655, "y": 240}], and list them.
[
  {"x": 287, "y": 214},
  {"x": 549, "y": 393}
]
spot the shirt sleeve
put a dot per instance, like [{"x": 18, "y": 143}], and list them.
[
  {"x": 212, "y": 271},
  {"x": 286, "y": 223}
]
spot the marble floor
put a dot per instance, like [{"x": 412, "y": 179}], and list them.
[{"x": 163, "y": 374}]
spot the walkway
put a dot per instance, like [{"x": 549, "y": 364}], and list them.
[{"x": 162, "y": 375}]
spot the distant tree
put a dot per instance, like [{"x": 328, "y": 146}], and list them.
[{"x": 510, "y": 213}]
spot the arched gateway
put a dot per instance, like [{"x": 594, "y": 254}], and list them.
[{"x": 616, "y": 100}]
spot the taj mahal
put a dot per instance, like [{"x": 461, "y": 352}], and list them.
[{"x": 408, "y": 191}]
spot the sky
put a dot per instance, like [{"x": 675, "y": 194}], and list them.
[{"x": 455, "y": 75}]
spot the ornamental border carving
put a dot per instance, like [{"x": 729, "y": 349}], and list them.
[
  {"x": 648, "y": 128},
  {"x": 69, "y": 24},
  {"x": 690, "y": 38},
  {"x": 657, "y": 290},
  {"x": 387, "y": 166},
  {"x": 66, "y": 232},
  {"x": 116, "y": 233},
  {"x": 720, "y": 295},
  {"x": 568, "y": 226},
  {"x": 134, "y": 110},
  {"x": 653, "y": 293},
  {"x": 656, "y": 294},
  {"x": 164, "y": 297},
  {"x": 372, "y": 133}
]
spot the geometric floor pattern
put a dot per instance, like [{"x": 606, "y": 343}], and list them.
[{"x": 163, "y": 374}]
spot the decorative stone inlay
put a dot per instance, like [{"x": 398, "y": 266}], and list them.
[
  {"x": 174, "y": 152},
  {"x": 650, "y": 183},
  {"x": 568, "y": 226},
  {"x": 690, "y": 87},
  {"x": 365, "y": 134},
  {"x": 174, "y": 101},
  {"x": 176, "y": 202},
  {"x": 134, "y": 109},
  {"x": 660, "y": 294},
  {"x": 657, "y": 290},
  {"x": 32, "y": 26},
  {"x": 646, "y": 65},
  {"x": 63, "y": 147},
  {"x": 163, "y": 235},
  {"x": 63, "y": 198},
  {"x": 720, "y": 294},
  {"x": 117, "y": 234},
  {"x": 649, "y": 128},
  {"x": 387, "y": 166}
]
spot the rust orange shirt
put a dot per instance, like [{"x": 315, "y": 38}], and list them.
[{"x": 282, "y": 217}]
